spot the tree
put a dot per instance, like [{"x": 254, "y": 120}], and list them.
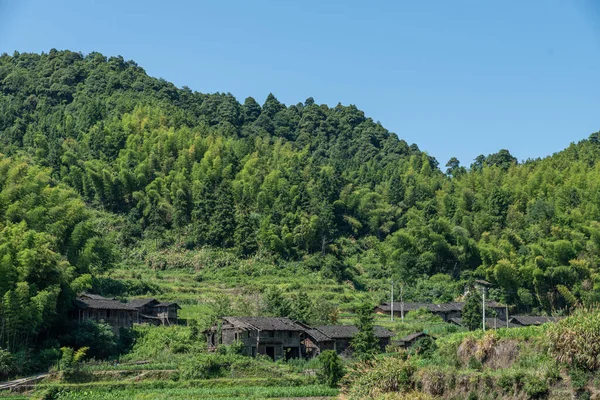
[
  {"x": 275, "y": 303},
  {"x": 7, "y": 365},
  {"x": 364, "y": 342},
  {"x": 472, "y": 312},
  {"x": 332, "y": 368},
  {"x": 454, "y": 169}
]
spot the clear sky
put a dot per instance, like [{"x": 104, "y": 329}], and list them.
[{"x": 459, "y": 78}]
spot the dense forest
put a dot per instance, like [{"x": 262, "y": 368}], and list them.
[{"x": 96, "y": 156}]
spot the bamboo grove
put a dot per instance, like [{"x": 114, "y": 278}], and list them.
[{"x": 97, "y": 156}]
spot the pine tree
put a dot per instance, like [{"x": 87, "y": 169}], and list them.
[
  {"x": 472, "y": 312},
  {"x": 364, "y": 342}
]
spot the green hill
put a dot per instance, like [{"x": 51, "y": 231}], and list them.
[{"x": 109, "y": 177}]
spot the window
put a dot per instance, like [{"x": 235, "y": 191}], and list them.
[{"x": 107, "y": 313}]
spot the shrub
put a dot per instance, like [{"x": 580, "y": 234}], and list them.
[
  {"x": 575, "y": 340},
  {"x": 387, "y": 375},
  {"x": 425, "y": 347},
  {"x": 6, "y": 363},
  {"x": 579, "y": 378},
  {"x": 332, "y": 368},
  {"x": 475, "y": 364},
  {"x": 205, "y": 366},
  {"x": 506, "y": 382},
  {"x": 535, "y": 387}
]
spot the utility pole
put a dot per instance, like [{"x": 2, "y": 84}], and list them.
[
  {"x": 483, "y": 299},
  {"x": 392, "y": 303},
  {"x": 401, "y": 303},
  {"x": 506, "y": 315}
]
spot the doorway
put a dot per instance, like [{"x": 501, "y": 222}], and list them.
[
  {"x": 270, "y": 351},
  {"x": 292, "y": 352}
]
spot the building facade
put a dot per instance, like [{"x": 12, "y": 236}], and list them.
[
  {"x": 97, "y": 308},
  {"x": 278, "y": 338}
]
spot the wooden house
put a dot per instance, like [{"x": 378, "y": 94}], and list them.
[
  {"x": 446, "y": 311},
  {"x": 275, "y": 337},
  {"x": 97, "y": 308},
  {"x": 153, "y": 311},
  {"x": 339, "y": 338}
]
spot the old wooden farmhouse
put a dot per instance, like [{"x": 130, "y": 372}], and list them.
[
  {"x": 154, "y": 312},
  {"x": 338, "y": 338},
  {"x": 446, "y": 311},
  {"x": 97, "y": 308},
  {"x": 275, "y": 337}
]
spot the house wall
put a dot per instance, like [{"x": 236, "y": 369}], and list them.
[
  {"x": 280, "y": 341},
  {"x": 115, "y": 318}
]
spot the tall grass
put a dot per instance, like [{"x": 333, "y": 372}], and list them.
[{"x": 241, "y": 392}]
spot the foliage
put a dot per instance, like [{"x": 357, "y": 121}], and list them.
[
  {"x": 472, "y": 314},
  {"x": 387, "y": 375},
  {"x": 163, "y": 343},
  {"x": 6, "y": 363},
  {"x": 98, "y": 337},
  {"x": 98, "y": 156},
  {"x": 70, "y": 361},
  {"x": 575, "y": 340},
  {"x": 535, "y": 387},
  {"x": 332, "y": 368},
  {"x": 364, "y": 342},
  {"x": 424, "y": 347}
]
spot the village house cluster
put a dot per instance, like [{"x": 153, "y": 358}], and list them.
[
  {"x": 452, "y": 313},
  {"x": 282, "y": 338}
]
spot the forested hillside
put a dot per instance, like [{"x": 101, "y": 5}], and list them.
[{"x": 97, "y": 157}]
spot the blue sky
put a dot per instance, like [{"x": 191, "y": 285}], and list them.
[{"x": 459, "y": 78}]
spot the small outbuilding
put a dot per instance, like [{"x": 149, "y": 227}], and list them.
[
  {"x": 410, "y": 340},
  {"x": 154, "y": 312}
]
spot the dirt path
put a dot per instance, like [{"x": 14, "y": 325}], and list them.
[{"x": 18, "y": 382}]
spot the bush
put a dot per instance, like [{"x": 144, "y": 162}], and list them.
[
  {"x": 205, "y": 366},
  {"x": 98, "y": 336},
  {"x": 425, "y": 347},
  {"x": 506, "y": 382},
  {"x": 535, "y": 387},
  {"x": 475, "y": 364},
  {"x": 332, "y": 368},
  {"x": 575, "y": 340},
  {"x": 7, "y": 366},
  {"x": 387, "y": 375}
]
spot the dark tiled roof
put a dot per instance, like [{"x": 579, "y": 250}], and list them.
[
  {"x": 412, "y": 337},
  {"x": 264, "y": 323},
  {"x": 347, "y": 331},
  {"x": 95, "y": 296},
  {"x": 526, "y": 320},
  {"x": 490, "y": 323},
  {"x": 141, "y": 302},
  {"x": 317, "y": 335},
  {"x": 167, "y": 304},
  {"x": 444, "y": 307},
  {"x": 101, "y": 303}
]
